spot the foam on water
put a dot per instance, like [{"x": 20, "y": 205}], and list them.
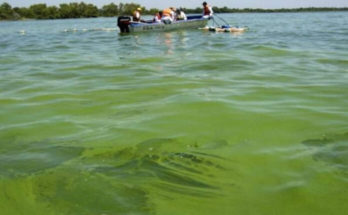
[{"x": 93, "y": 29}]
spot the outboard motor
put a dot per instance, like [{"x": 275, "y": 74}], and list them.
[{"x": 123, "y": 23}]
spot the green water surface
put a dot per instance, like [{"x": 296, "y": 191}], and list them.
[{"x": 180, "y": 123}]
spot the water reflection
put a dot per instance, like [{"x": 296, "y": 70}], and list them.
[
  {"x": 174, "y": 40},
  {"x": 152, "y": 41},
  {"x": 168, "y": 41}
]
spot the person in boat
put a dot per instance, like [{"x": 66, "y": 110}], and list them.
[
  {"x": 158, "y": 17},
  {"x": 207, "y": 10},
  {"x": 168, "y": 15},
  {"x": 137, "y": 15},
  {"x": 180, "y": 15}
]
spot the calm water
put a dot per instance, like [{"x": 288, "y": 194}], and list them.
[{"x": 183, "y": 123}]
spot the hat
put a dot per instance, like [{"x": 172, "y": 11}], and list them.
[
  {"x": 204, "y": 3},
  {"x": 139, "y": 8}
]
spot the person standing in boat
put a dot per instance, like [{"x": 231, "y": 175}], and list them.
[
  {"x": 207, "y": 10},
  {"x": 137, "y": 15},
  {"x": 168, "y": 15}
]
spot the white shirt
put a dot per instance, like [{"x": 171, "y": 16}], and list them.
[{"x": 182, "y": 16}]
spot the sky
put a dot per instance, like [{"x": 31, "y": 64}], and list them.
[{"x": 197, "y": 3}]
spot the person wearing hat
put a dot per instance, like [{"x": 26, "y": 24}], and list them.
[
  {"x": 137, "y": 15},
  {"x": 207, "y": 10},
  {"x": 168, "y": 15}
]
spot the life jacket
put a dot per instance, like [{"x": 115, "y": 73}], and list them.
[
  {"x": 167, "y": 12},
  {"x": 206, "y": 10},
  {"x": 136, "y": 16}
]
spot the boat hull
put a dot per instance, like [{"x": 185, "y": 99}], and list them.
[{"x": 193, "y": 22}]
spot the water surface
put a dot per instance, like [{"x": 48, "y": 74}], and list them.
[{"x": 184, "y": 122}]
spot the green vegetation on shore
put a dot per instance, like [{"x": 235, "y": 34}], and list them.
[{"x": 83, "y": 10}]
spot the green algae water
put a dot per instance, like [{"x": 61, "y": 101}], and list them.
[{"x": 180, "y": 123}]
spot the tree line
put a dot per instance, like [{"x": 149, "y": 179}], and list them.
[
  {"x": 83, "y": 10},
  {"x": 67, "y": 11}
]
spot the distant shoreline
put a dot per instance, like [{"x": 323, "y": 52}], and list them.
[
  {"x": 283, "y": 10},
  {"x": 83, "y": 10}
]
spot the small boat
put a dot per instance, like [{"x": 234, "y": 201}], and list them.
[{"x": 126, "y": 25}]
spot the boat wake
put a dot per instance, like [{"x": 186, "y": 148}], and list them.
[{"x": 89, "y": 30}]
